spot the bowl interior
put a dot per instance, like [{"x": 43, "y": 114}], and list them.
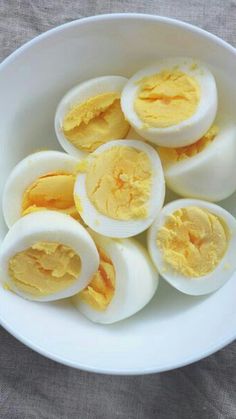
[{"x": 173, "y": 329}]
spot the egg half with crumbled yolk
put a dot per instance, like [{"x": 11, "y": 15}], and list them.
[
  {"x": 42, "y": 180},
  {"x": 120, "y": 188},
  {"x": 124, "y": 283},
  {"x": 205, "y": 169},
  {"x": 90, "y": 115},
  {"x": 171, "y": 103},
  {"x": 192, "y": 243},
  {"x": 46, "y": 256}
]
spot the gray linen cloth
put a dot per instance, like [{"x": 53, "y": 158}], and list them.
[{"x": 34, "y": 387}]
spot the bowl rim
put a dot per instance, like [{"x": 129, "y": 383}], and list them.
[
  {"x": 117, "y": 16},
  {"x": 23, "y": 339}
]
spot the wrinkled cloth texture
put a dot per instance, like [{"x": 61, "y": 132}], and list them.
[{"x": 34, "y": 387}]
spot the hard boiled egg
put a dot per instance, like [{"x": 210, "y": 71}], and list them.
[
  {"x": 120, "y": 188},
  {"x": 124, "y": 284},
  {"x": 90, "y": 114},
  {"x": 47, "y": 256},
  {"x": 171, "y": 103},
  {"x": 43, "y": 180},
  {"x": 205, "y": 169},
  {"x": 192, "y": 243}
]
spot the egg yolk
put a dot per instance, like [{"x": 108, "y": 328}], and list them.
[
  {"x": 166, "y": 98},
  {"x": 118, "y": 183},
  {"x": 95, "y": 121},
  {"x": 193, "y": 241},
  {"x": 53, "y": 191},
  {"x": 100, "y": 291},
  {"x": 171, "y": 156},
  {"x": 44, "y": 268}
]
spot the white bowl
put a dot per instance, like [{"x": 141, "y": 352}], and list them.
[{"x": 174, "y": 329}]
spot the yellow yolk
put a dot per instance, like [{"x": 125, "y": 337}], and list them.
[
  {"x": 100, "y": 290},
  {"x": 171, "y": 156},
  {"x": 167, "y": 98},
  {"x": 44, "y": 268},
  {"x": 193, "y": 241},
  {"x": 118, "y": 183},
  {"x": 53, "y": 191},
  {"x": 96, "y": 121}
]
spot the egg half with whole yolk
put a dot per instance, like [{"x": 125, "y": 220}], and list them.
[
  {"x": 205, "y": 169},
  {"x": 46, "y": 256},
  {"x": 192, "y": 243},
  {"x": 120, "y": 188},
  {"x": 171, "y": 103},
  {"x": 42, "y": 180},
  {"x": 124, "y": 283},
  {"x": 90, "y": 115}
]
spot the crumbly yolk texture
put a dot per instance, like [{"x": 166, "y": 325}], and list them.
[
  {"x": 171, "y": 156},
  {"x": 95, "y": 122},
  {"x": 166, "y": 98},
  {"x": 118, "y": 183},
  {"x": 53, "y": 191},
  {"x": 193, "y": 241},
  {"x": 100, "y": 291},
  {"x": 44, "y": 268}
]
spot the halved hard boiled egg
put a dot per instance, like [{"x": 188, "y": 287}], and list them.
[
  {"x": 192, "y": 243},
  {"x": 42, "y": 180},
  {"x": 124, "y": 283},
  {"x": 90, "y": 115},
  {"x": 120, "y": 188},
  {"x": 47, "y": 256},
  {"x": 205, "y": 169},
  {"x": 171, "y": 103}
]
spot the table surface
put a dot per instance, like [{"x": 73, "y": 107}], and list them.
[{"x": 34, "y": 387}]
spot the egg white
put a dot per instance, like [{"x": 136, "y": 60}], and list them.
[
  {"x": 204, "y": 284},
  {"x": 107, "y": 226},
  {"x": 25, "y": 173},
  {"x": 80, "y": 94},
  {"x": 49, "y": 226},
  {"x": 188, "y": 131},
  {"x": 136, "y": 280},
  {"x": 211, "y": 174}
]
